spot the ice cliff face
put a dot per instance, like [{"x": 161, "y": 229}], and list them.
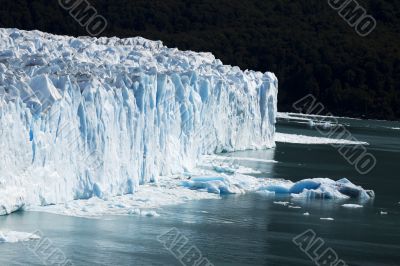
[{"x": 83, "y": 117}]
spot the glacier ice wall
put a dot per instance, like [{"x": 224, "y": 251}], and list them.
[{"x": 83, "y": 117}]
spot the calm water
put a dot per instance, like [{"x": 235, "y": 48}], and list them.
[{"x": 247, "y": 229}]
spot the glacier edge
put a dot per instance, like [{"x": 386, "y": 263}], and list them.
[{"x": 85, "y": 117}]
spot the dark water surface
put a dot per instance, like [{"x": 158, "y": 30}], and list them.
[{"x": 248, "y": 229}]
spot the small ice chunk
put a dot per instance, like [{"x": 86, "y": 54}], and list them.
[
  {"x": 144, "y": 213},
  {"x": 384, "y": 213},
  {"x": 302, "y": 139},
  {"x": 224, "y": 184},
  {"x": 327, "y": 219},
  {"x": 306, "y": 214},
  {"x": 294, "y": 207},
  {"x": 14, "y": 237},
  {"x": 352, "y": 206},
  {"x": 149, "y": 214},
  {"x": 283, "y": 203}
]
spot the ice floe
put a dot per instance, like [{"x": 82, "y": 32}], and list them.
[
  {"x": 317, "y": 188},
  {"x": 14, "y": 237},
  {"x": 327, "y": 219},
  {"x": 352, "y": 206},
  {"x": 150, "y": 198},
  {"x": 146, "y": 201},
  {"x": 321, "y": 188},
  {"x": 283, "y": 203},
  {"x": 302, "y": 139}
]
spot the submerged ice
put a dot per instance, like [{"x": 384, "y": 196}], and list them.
[{"x": 87, "y": 117}]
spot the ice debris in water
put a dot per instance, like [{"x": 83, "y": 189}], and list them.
[
  {"x": 309, "y": 140},
  {"x": 352, "y": 206},
  {"x": 317, "y": 188},
  {"x": 327, "y": 219},
  {"x": 322, "y": 188},
  {"x": 223, "y": 184},
  {"x": 283, "y": 203},
  {"x": 14, "y": 237},
  {"x": 144, "y": 213}
]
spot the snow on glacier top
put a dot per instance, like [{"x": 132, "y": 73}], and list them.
[{"x": 83, "y": 57}]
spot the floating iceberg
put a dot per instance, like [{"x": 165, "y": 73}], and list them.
[
  {"x": 317, "y": 188},
  {"x": 352, "y": 206},
  {"x": 327, "y": 219},
  {"x": 322, "y": 188},
  {"x": 87, "y": 117},
  {"x": 14, "y": 237},
  {"x": 302, "y": 139},
  {"x": 283, "y": 203}
]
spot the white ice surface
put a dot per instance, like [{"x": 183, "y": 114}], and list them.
[
  {"x": 146, "y": 201},
  {"x": 323, "y": 125},
  {"x": 302, "y": 139},
  {"x": 283, "y": 203},
  {"x": 216, "y": 158},
  {"x": 14, "y": 237},
  {"x": 352, "y": 206},
  {"x": 308, "y": 117},
  {"x": 206, "y": 184},
  {"x": 316, "y": 188},
  {"x": 327, "y": 219}
]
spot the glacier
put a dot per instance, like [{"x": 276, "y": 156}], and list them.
[{"x": 84, "y": 118}]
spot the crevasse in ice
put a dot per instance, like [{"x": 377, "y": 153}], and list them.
[{"x": 84, "y": 117}]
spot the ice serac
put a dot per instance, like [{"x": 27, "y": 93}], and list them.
[{"x": 84, "y": 117}]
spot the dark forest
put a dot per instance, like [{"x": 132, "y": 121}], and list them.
[{"x": 305, "y": 43}]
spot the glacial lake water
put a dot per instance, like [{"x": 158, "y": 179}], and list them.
[{"x": 246, "y": 229}]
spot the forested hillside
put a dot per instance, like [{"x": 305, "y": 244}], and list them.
[{"x": 306, "y": 43}]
